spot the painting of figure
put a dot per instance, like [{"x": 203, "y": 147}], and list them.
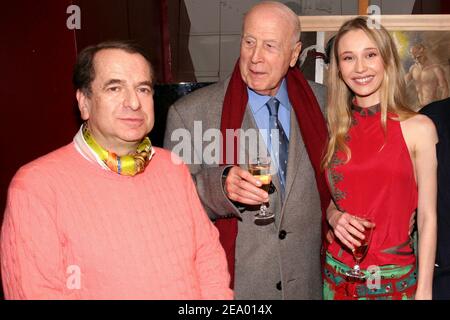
[{"x": 425, "y": 56}]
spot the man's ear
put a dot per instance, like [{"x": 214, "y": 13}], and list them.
[
  {"x": 295, "y": 53},
  {"x": 83, "y": 104}
]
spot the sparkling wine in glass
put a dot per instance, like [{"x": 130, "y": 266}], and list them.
[
  {"x": 260, "y": 169},
  {"x": 359, "y": 253}
]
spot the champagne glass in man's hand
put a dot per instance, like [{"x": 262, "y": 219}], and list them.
[{"x": 260, "y": 168}]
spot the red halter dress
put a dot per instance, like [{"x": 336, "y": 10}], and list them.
[{"x": 377, "y": 183}]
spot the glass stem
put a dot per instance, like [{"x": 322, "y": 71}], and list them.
[{"x": 263, "y": 209}]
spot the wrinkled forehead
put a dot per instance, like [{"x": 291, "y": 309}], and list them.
[{"x": 269, "y": 25}]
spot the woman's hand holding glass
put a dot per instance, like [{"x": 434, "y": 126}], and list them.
[
  {"x": 347, "y": 228},
  {"x": 354, "y": 232}
]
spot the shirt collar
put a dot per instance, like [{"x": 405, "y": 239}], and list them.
[{"x": 258, "y": 101}]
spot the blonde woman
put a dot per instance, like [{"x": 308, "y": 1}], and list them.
[{"x": 381, "y": 168}]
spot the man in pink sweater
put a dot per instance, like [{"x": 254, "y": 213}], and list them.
[{"x": 109, "y": 216}]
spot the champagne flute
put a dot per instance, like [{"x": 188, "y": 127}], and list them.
[
  {"x": 259, "y": 167},
  {"x": 359, "y": 253}
]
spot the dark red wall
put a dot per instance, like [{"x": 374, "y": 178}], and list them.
[{"x": 37, "y": 54}]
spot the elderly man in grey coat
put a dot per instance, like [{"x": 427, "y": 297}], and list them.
[{"x": 276, "y": 258}]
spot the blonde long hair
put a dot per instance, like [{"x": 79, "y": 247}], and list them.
[{"x": 392, "y": 90}]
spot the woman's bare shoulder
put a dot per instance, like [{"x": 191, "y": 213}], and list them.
[{"x": 419, "y": 127}]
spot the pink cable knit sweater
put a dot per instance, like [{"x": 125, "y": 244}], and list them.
[{"x": 75, "y": 231}]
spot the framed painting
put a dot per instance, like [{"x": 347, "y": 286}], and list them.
[{"x": 423, "y": 44}]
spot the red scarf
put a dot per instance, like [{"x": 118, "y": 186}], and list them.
[{"x": 312, "y": 127}]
